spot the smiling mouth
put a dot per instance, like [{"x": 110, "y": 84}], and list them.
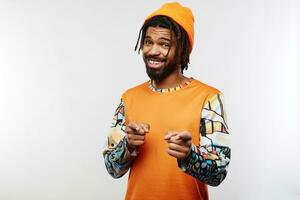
[{"x": 153, "y": 63}]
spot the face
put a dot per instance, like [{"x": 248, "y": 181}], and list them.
[{"x": 159, "y": 53}]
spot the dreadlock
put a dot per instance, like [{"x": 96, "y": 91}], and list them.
[{"x": 183, "y": 46}]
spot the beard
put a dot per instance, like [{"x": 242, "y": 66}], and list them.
[{"x": 158, "y": 75}]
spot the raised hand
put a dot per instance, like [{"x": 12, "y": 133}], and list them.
[
  {"x": 136, "y": 133},
  {"x": 179, "y": 144}
]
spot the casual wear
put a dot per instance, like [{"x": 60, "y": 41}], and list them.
[{"x": 194, "y": 107}]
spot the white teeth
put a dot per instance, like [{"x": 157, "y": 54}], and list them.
[{"x": 154, "y": 62}]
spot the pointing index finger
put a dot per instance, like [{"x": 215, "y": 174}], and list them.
[
  {"x": 170, "y": 134},
  {"x": 133, "y": 126},
  {"x": 184, "y": 136}
]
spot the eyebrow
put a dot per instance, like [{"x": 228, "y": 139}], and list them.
[{"x": 161, "y": 38}]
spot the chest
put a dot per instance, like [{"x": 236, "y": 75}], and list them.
[{"x": 166, "y": 114}]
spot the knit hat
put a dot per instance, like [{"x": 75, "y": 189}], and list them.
[{"x": 181, "y": 15}]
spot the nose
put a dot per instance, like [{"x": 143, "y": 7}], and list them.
[{"x": 154, "y": 50}]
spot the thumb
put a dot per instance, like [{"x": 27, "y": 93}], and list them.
[
  {"x": 170, "y": 134},
  {"x": 184, "y": 136}
]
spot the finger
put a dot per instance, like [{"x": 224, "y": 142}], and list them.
[
  {"x": 184, "y": 136},
  {"x": 133, "y": 126},
  {"x": 140, "y": 131},
  {"x": 135, "y": 137},
  {"x": 145, "y": 127},
  {"x": 176, "y": 154},
  {"x": 180, "y": 141},
  {"x": 179, "y": 148},
  {"x": 137, "y": 142},
  {"x": 128, "y": 130},
  {"x": 175, "y": 141},
  {"x": 170, "y": 134}
]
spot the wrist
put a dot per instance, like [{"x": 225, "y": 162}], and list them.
[
  {"x": 187, "y": 157},
  {"x": 131, "y": 148}
]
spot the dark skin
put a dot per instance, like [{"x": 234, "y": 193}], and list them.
[
  {"x": 179, "y": 144},
  {"x": 157, "y": 44},
  {"x": 136, "y": 133}
]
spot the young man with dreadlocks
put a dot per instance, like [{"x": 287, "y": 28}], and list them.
[{"x": 171, "y": 131}]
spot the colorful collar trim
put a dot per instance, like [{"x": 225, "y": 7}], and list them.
[{"x": 160, "y": 90}]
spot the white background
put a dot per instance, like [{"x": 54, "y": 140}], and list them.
[{"x": 64, "y": 65}]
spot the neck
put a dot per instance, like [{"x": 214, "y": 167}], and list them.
[{"x": 173, "y": 80}]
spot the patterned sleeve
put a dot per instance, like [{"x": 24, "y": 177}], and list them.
[
  {"x": 209, "y": 162},
  {"x": 117, "y": 157}
]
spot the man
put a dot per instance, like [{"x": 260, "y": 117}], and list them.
[{"x": 171, "y": 131}]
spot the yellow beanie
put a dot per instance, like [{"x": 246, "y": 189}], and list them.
[{"x": 182, "y": 15}]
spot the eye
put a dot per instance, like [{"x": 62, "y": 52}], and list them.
[
  {"x": 165, "y": 45},
  {"x": 147, "y": 42}
]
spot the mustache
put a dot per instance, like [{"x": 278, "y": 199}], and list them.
[{"x": 156, "y": 58}]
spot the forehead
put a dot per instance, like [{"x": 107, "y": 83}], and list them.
[{"x": 158, "y": 33}]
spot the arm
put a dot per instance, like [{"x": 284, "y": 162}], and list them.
[
  {"x": 117, "y": 157},
  {"x": 209, "y": 161}
]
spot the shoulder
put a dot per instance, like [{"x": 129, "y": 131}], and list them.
[
  {"x": 208, "y": 89},
  {"x": 138, "y": 89},
  {"x": 208, "y": 92}
]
